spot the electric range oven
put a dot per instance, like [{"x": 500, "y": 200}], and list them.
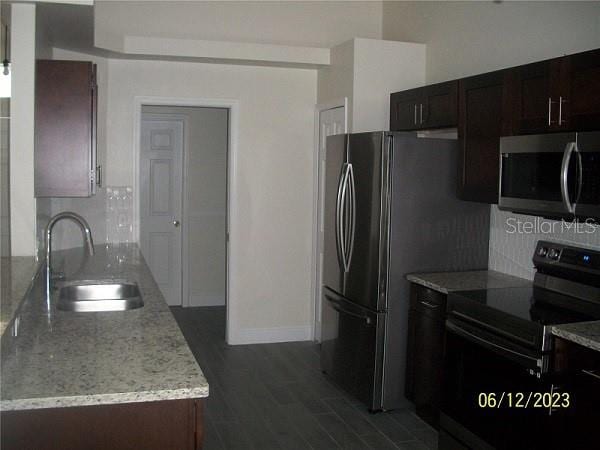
[{"x": 499, "y": 389}]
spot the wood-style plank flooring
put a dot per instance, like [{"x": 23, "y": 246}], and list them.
[{"x": 274, "y": 396}]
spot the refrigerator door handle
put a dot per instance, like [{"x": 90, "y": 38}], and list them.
[
  {"x": 339, "y": 216},
  {"x": 352, "y": 221}
]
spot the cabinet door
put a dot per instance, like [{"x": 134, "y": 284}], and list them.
[
  {"x": 64, "y": 129},
  {"x": 440, "y": 107},
  {"x": 533, "y": 89},
  {"x": 480, "y": 125},
  {"x": 426, "y": 346},
  {"x": 580, "y": 96},
  {"x": 405, "y": 110}
]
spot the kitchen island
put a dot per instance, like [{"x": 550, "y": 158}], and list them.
[{"x": 129, "y": 368}]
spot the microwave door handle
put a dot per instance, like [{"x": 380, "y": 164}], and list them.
[
  {"x": 579, "y": 178},
  {"x": 564, "y": 176}
]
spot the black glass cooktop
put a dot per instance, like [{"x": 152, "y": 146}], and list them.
[{"x": 536, "y": 304}]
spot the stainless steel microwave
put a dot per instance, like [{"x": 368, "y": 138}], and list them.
[{"x": 552, "y": 175}]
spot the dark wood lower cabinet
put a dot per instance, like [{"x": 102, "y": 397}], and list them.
[
  {"x": 161, "y": 425},
  {"x": 425, "y": 351},
  {"x": 580, "y": 368}
]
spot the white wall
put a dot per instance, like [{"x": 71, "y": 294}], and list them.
[
  {"x": 271, "y": 286},
  {"x": 337, "y": 80},
  {"x": 296, "y": 23},
  {"x": 467, "y": 38},
  {"x": 382, "y": 67},
  {"x": 366, "y": 71},
  {"x": 22, "y": 202},
  {"x": 205, "y": 208}
]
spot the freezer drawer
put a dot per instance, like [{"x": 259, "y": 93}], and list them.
[{"x": 352, "y": 348}]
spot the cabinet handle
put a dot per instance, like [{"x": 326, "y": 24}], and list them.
[
  {"x": 99, "y": 175},
  {"x": 560, "y": 103},
  {"x": 549, "y": 111},
  {"x": 429, "y": 305},
  {"x": 421, "y": 113},
  {"x": 415, "y": 113}
]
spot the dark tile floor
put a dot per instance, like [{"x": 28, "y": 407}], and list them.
[{"x": 274, "y": 396}]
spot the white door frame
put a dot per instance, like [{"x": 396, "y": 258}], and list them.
[
  {"x": 315, "y": 289},
  {"x": 233, "y": 105}
]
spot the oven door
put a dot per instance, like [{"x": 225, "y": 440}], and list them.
[
  {"x": 539, "y": 174},
  {"x": 485, "y": 396}
]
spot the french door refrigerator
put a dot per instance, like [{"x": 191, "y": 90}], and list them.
[{"x": 390, "y": 209}]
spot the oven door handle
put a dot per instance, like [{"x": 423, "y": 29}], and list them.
[{"x": 473, "y": 337}]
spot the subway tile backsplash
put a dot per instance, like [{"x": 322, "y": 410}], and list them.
[{"x": 513, "y": 238}]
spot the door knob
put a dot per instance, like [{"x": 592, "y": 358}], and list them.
[{"x": 175, "y": 223}]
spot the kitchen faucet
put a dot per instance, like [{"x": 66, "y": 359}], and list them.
[{"x": 87, "y": 235}]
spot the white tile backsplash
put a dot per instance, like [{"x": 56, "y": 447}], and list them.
[{"x": 513, "y": 238}]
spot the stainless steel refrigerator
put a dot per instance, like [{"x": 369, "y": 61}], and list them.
[{"x": 390, "y": 208}]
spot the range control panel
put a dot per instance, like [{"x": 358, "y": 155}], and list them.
[{"x": 563, "y": 255}]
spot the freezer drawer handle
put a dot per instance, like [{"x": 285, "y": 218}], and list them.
[{"x": 350, "y": 313}]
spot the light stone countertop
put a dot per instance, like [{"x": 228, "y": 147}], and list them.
[
  {"x": 61, "y": 358},
  {"x": 586, "y": 334},
  {"x": 445, "y": 282},
  {"x": 16, "y": 274}
]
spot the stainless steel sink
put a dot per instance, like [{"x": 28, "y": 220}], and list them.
[{"x": 96, "y": 296}]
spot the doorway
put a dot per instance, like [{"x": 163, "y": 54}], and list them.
[
  {"x": 330, "y": 119},
  {"x": 183, "y": 202}
]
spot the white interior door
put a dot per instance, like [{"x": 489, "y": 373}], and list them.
[
  {"x": 161, "y": 152},
  {"x": 331, "y": 121}
]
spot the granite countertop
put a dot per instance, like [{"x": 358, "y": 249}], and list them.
[
  {"x": 56, "y": 358},
  {"x": 583, "y": 333},
  {"x": 16, "y": 274},
  {"x": 445, "y": 282}
]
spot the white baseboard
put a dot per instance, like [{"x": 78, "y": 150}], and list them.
[
  {"x": 270, "y": 335},
  {"x": 205, "y": 300}
]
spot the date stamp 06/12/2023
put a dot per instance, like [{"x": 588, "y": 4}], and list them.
[{"x": 524, "y": 400}]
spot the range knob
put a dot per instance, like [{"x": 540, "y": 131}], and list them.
[
  {"x": 543, "y": 251},
  {"x": 553, "y": 253}
]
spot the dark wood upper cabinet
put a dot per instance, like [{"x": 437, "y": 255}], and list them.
[
  {"x": 561, "y": 94},
  {"x": 440, "y": 105},
  {"x": 405, "y": 109},
  {"x": 428, "y": 107},
  {"x": 581, "y": 92},
  {"x": 65, "y": 129},
  {"x": 531, "y": 89},
  {"x": 482, "y": 105}
]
